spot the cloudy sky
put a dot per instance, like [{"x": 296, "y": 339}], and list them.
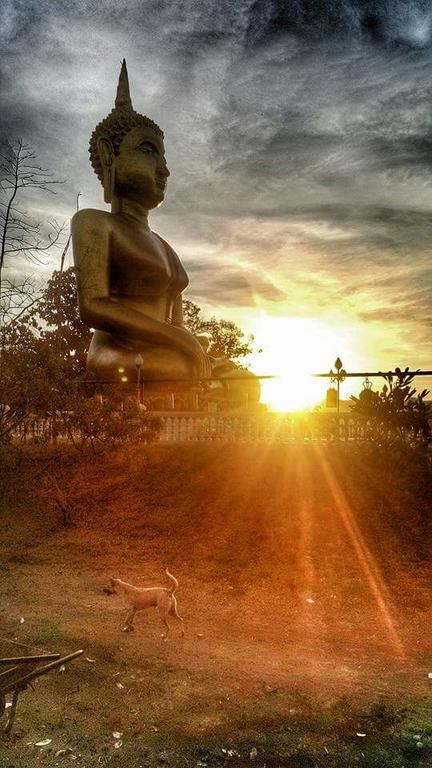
[{"x": 299, "y": 139}]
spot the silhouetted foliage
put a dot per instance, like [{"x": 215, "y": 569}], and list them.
[
  {"x": 225, "y": 338},
  {"x": 397, "y": 413},
  {"x": 42, "y": 357}
]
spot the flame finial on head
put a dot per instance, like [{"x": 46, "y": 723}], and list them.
[
  {"x": 118, "y": 123},
  {"x": 123, "y": 99}
]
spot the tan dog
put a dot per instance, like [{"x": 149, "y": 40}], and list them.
[{"x": 137, "y": 598}]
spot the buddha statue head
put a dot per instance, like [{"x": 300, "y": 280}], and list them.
[{"x": 127, "y": 152}]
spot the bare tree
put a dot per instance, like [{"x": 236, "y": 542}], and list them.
[
  {"x": 19, "y": 234},
  {"x": 17, "y": 297}
]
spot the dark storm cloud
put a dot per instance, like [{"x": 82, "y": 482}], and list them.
[{"x": 400, "y": 21}]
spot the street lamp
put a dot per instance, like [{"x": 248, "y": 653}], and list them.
[
  {"x": 139, "y": 362},
  {"x": 338, "y": 377}
]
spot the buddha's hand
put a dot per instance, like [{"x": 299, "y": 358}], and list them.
[
  {"x": 201, "y": 363},
  {"x": 192, "y": 348}
]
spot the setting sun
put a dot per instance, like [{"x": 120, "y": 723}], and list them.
[{"x": 293, "y": 348}]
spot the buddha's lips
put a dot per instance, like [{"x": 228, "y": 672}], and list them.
[{"x": 161, "y": 184}]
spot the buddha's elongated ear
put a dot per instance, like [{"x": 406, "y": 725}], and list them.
[{"x": 106, "y": 152}]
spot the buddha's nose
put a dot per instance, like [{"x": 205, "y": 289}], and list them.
[{"x": 164, "y": 169}]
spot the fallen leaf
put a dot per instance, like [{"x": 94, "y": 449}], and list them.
[
  {"x": 118, "y": 744},
  {"x": 22, "y": 620},
  {"x": 361, "y": 735},
  {"x": 43, "y": 743},
  {"x": 62, "y": 669},
  {"x": 120, "y": 686},
  {"x": 253, "y": 753},
  {"x": 310, "y": 600},
  {"x": 63, "y": 752},
  {"x": 117, "y": 734},
  {"x": 90, "y": 661}
]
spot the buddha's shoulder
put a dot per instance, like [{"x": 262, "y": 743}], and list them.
[
  {"x": 167, "y": 246},
  {"x": 92, "y": 219}
]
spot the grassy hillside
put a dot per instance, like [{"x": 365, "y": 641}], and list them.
[{"x": 304, "y": 584}]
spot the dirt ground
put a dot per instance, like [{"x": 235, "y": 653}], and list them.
[{"x": 307, "y": 613}]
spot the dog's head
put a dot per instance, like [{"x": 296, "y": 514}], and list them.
[{"x": 111, "y": 588}]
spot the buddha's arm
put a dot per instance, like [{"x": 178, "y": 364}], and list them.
[
  {"x": 91, "y": 247},
  {"x": 177, "y": 312}
]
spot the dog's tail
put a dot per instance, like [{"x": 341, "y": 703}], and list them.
[{"x": 175, "y": 583}]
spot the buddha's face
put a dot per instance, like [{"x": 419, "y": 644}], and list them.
[{"x": 141, "y": 171}]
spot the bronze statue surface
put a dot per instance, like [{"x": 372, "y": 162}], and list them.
[{"x": 130, "y": 281}]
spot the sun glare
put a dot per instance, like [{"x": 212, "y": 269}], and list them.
[{"x": 292, "y": 349}]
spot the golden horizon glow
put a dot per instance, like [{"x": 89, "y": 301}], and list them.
[{"x": 293, "y": 348}]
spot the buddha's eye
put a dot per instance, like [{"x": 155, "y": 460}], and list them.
[{"x": 147, "y": 148}]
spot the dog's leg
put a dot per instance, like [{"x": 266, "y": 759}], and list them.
[
  {"x": 163, "y": 613},
  {"x": 174, "y": 612},
  {"x": 128, "y": 627}
]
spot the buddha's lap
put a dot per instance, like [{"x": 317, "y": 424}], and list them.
[{"x": 108, "y": 360}]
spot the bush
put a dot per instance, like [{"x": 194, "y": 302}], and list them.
[{"x": 397, "y": 414}]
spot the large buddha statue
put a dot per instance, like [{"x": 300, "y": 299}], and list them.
[{"x": 130, "y": 281}]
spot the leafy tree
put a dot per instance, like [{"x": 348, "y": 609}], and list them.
[
  {"x": 59, "y": 324},
  {"x": 42, "y": 351},
  {"x": 397, "y": 412},
  {"x": 192, "y": 316},
  {"x": 225, "y": 338}
]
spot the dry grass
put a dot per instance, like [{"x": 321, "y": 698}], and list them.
[{"x": 305, "y": 611}]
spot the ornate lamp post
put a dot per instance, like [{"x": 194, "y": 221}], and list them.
[{"x": 339, "y": 376}]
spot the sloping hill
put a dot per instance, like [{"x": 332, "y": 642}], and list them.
[{"x": 297, "y": 589}]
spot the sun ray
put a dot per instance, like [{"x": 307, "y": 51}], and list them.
[{"x": 366, "y": 560}]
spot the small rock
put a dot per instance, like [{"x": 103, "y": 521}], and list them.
[
  {"x": 120, "y": 686},
  {"x": 118, "y": 744},
  {"x": 117, "y": 734},
  {"x": 253, "y": 753}
]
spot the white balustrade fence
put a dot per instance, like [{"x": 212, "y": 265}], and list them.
[
  {"x": 220, "y": 428},
  {"x": 257, "y": 428}
]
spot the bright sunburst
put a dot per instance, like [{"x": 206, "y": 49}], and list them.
[{"x": 291, "y": 344}]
